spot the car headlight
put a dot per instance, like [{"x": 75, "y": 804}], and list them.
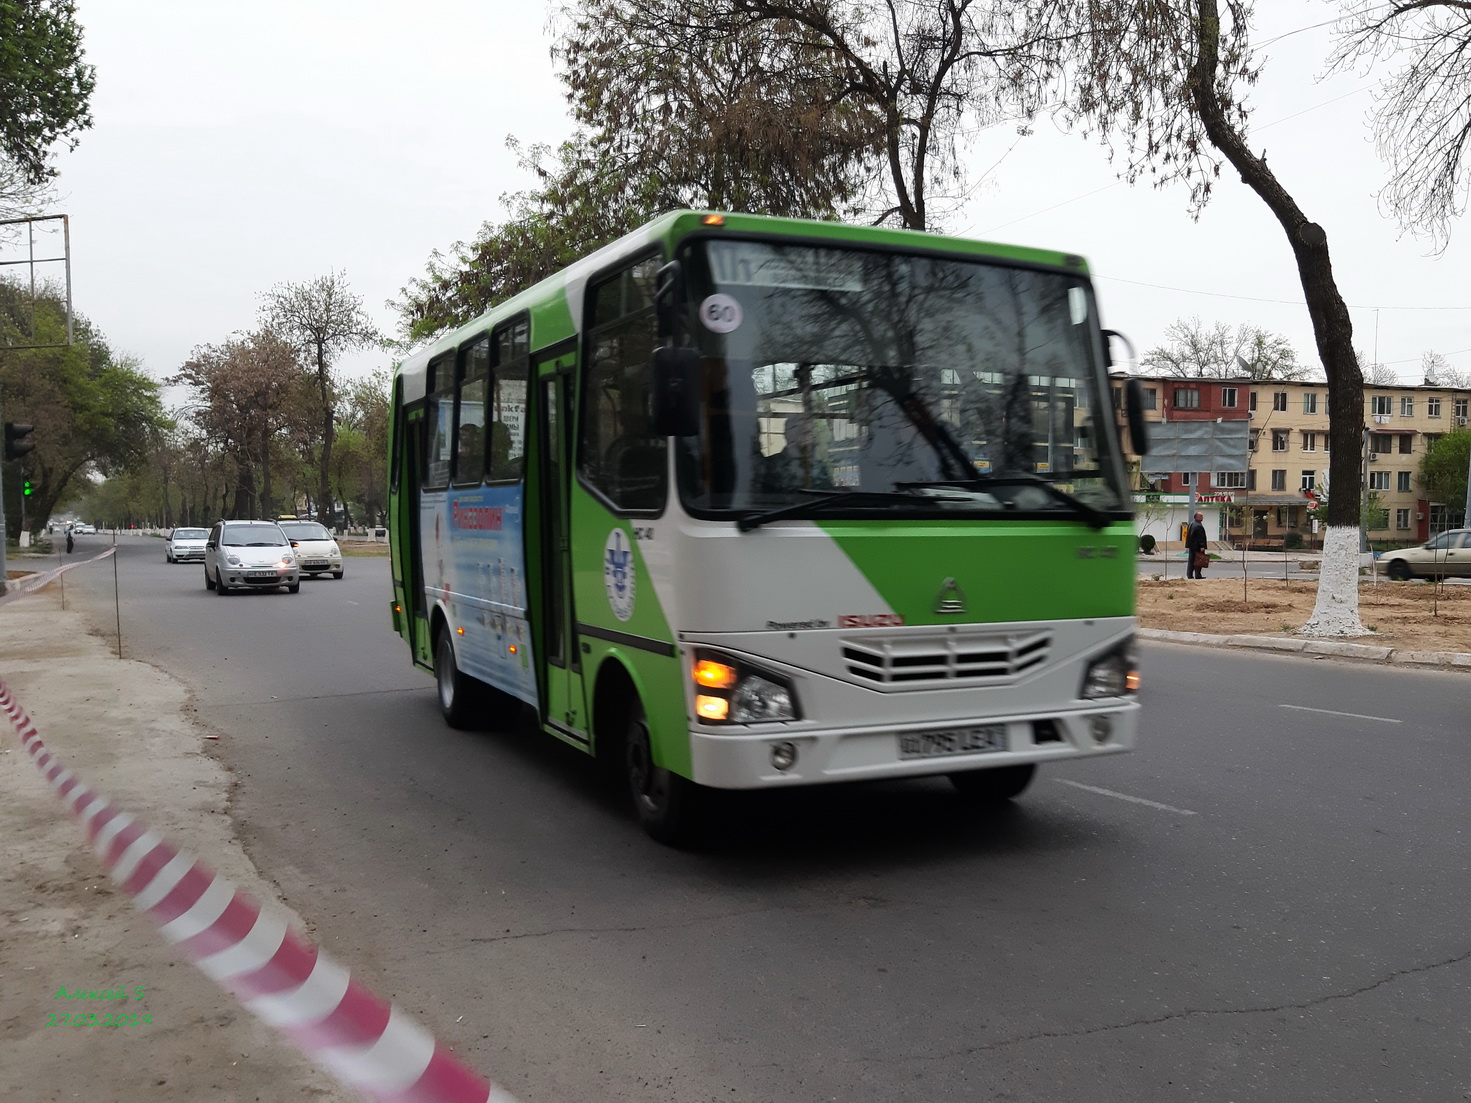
[
  {"x": 334, "y": 550},
  {"x": 730, "y": 691},
  {"x": 286, "y": 561},
  {"x": 233, "y": 560},
  {"x": 1114, "y": 674}
]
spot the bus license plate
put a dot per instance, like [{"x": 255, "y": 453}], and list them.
[{"x": 991, "y": 737}]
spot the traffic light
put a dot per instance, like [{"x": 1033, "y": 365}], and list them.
[
  {"x": 16, "y": 445},
  {"x": 27, "y": 489}
]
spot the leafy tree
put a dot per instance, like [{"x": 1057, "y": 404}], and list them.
[
  {"x": 325, "y": 319},
  {"x": 92, "y": 411},
  {"x": 1443, "y": 470},
  {"x": 45, "y": 86},
  {"x": 1193, "y": 350},
  {"x": 1168, "y": 79},
  {"x": 1422, "y": 116}
]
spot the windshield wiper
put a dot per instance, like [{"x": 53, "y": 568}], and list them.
[
  {"x": 823, "y": 498},
  {"x": 1094, "y": 517}
]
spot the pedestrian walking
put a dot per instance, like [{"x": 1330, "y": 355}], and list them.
[
  {"x": 1195, "y": 542},
  {"x": 70, "y": 543}
]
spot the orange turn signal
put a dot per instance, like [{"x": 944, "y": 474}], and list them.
[
  {"x": 461, "y": 631},
  {"x": 713, "y": 675},
  {"x": 714, "y": 220},
  {"x": 1131, "y": 681}
]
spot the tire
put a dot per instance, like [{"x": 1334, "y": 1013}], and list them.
[
  {"x": 1399, "y": 571},
  {"x": 294, "y": 589},
  {"x": 209, "y": 583},
  {"x": 456, "y": 690},
  {"x": 665, "y": 804},
  {"x": 220, "y": 587},
  {"x": 994, "y": 786},
  {"x": 336, "y": 574}
]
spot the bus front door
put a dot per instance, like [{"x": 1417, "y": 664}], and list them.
[{"x": 562, "y": 684}]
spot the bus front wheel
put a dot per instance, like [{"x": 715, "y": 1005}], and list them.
[
  {"x": 456, "y": 690},
  {"x": 995, "y": 785},
  {"x": 663, "y": 801}
]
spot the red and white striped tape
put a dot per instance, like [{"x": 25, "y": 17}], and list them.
[
  {"x": 276, "y": 974},
  {"x": 29, "y": 584}
]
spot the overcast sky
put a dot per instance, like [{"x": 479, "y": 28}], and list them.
[{"x": 238, "y": 146}]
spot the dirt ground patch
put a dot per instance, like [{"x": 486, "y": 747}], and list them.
[{"x": 1414, "y": 616}]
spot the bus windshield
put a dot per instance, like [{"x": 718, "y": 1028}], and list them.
[{"x": 893, "y": 381}]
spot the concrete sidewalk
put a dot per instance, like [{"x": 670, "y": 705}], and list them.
[
  {"x": 127, "y": 729},
  {"x": 1449, "y": 660}
]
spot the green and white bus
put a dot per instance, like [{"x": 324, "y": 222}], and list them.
[{"x": 740, "y": 502}]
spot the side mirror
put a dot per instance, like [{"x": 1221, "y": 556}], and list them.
[
  {"x": 676, "y": 398},
  {"x": 1138, "y": 430}
]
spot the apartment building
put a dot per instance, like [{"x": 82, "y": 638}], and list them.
[{"x": 1288, "y": 460}]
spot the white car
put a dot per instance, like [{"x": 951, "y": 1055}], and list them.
[
  {"x": 1446, "y": 556},
  {"x": 249, "y": 555},
  {"x": 185, "y": 544},
  {"x": 80, "y": 529},
  {"x": 316, "y": 551}
]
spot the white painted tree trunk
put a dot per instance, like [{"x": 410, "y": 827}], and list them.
[{"x": 1336, "y": 611}]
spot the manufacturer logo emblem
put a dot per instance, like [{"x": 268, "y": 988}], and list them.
[
  {"x": 951, "y": 598},
  {"x": 618, "y": 574}
]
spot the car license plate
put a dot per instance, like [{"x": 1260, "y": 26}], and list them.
[
  {"x": 989, "y": 737},
  {"x": 312, "y": 563},
  {"x": 261, "y": 575}
]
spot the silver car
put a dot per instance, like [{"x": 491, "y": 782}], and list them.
[
  {"x": 249, "y": 555},
  {"x": 185, "y": 544},
  {"x": 1446, "y": 556}
]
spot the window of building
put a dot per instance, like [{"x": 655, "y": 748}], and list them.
[
  {"x": 1228, "y": 398},
  {"x": 1187, "y": 478},
  {"x": 1309, "y": 480},
  {"x": 1401, "y": 518},
  {"x": 1309, "y": 402},
  {"x": 1432, "y": 407},
  {"x": 1430, "y": 439},
  {"x": 1460, "y": 408},
  {"x": 1187, "y": 398},
  {"x": 1279, "y": 440},
  {"x": 1406, "y": 406},
  {"x": 1378, "y": 521},
  {"x": 1380, "y": 404},
  {"x": 619, "y": 454},
  {"x": 1231, "y": 480},
  {"x": 1279, "y": 400},
  {"x": 1378, "y": 480},
  {"x": 1406, "y": 444},
  {"x": 1381, "y": 442},
  {"x": 1251, "y": 439},
  {"x": 1151, "y": 398},
  {"x": 1251, "y": 479},
  {"x": 1251, "y": 401},
  {"x": 1279, "y": 478},
  {"x": 1404, "y": 482},
  {"x": 1310, "y": 442}
]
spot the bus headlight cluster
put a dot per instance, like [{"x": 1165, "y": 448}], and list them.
[
  {"x": 730, "y": 691},
  {"x": 1114, "y": 674}
]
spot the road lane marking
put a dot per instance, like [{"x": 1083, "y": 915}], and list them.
[
  {"x": 1351, "y": 715},
  {"x": 1125, "y": 796}
]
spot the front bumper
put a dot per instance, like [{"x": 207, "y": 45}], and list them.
[
  {"x": 264, "y": 577},
  {"x": 743, "y": 759},
  {"x": 185, "y": 555}
]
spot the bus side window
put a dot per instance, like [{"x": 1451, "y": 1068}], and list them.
[
  {"x": 439, "y": 429},
  {"x": 619, "y": 454},
  {"x": 507, "y": 412},
  {"x": 470, "y": 432}
]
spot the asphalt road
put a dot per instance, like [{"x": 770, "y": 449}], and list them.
[{"x": 1267, "y": 901}]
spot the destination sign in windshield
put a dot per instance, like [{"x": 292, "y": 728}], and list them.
[{"x": 754, "y": 264}]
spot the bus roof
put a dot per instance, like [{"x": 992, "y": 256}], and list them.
[{"x": 566, "y": 287}]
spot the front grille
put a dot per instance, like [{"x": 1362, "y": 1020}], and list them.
[{"x": 976, "y": 658}]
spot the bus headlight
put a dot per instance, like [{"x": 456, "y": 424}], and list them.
[
  {"x": 1112, "y": 675},
  {"x": 730, "y": 691}
]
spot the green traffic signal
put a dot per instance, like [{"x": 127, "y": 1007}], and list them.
[{"x": 27, "y": 489}]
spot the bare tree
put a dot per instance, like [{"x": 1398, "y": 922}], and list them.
[
  {"x": 1193, "y": 350},
  {"x": 1375, "y": 374},
  {"x": 325, "y": 319},
  {"x": 1437, "y": 371},
  {"x": 1422, "y": 113},
  {"x": 1168, "y": 78}
]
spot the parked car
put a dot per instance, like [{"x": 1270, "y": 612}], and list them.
[
  {"x": 185, "y": 544},
  {"x": 249, "y": 555},
  {"x": 316, "y": 551},
  {"x": 1446, "y": 556}
]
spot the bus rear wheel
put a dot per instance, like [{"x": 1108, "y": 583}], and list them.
[
  {"x": 996, "y": 785},
  {"x": 663, "y": 802}
]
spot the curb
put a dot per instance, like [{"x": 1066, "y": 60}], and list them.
[{"x": 1450, "y": 660}]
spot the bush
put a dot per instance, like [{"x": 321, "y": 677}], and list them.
[
  {"x": 1146, "y": 544},
  {"x": 1292, "y": 541}
]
